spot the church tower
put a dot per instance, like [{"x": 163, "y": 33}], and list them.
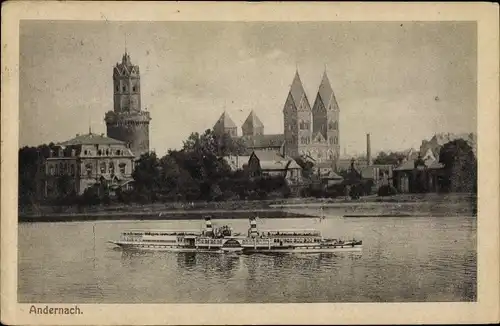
[
  {"x": 128, "y": 122},
  {"x": 252, "y": 125},
  {"x": 297, "y": 117},
  {"x": 326, "y": 119},
  {"x": 225, "y": 125}
]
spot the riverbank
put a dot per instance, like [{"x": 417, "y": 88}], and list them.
[{"x": 399, "y": 205}]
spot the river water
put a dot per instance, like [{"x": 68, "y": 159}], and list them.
[{"x": 405, "y": 259}]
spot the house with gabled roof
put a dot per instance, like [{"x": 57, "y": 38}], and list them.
[
  {"x": 423, "y": 174},
  {"x": 269, "y": 163}
]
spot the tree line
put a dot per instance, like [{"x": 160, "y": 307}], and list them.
[
  {"x": 199, "y": 172},
  {"x": 196, "y": 172}
]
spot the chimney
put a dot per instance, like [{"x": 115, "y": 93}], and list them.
[{"x": 368, "y": 150}]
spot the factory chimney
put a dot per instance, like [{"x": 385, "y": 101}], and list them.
[{"x": 368, "y": 150}]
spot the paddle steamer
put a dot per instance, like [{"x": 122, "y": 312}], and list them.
[{"x": 223, "y": 239}]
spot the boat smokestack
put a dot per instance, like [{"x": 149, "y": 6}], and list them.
[
  {"x": 253, "y": 227},
  {"x": 208, "y": 223},
  {"x": 368, "y": 150}
]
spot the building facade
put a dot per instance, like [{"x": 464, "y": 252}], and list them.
[
  {"x": 128, "y": 122},
  {"x": 85, "y": 161}
]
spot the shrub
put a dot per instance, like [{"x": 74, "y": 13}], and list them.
[
  {"x": 387, "y": 190},
  {"x": 356, "y": 191}
]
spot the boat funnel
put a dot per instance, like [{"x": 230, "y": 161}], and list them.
[
  {"x": 208, "y": 223},
  {"x": 253, "y": 227}
]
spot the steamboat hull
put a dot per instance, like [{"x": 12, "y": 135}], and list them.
[
  {"x": 245, "y": 250},
  {"x": 303, "y": 250},
  {"x": 157, "y": 247}
]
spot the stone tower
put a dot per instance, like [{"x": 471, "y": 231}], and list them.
[
  {"x": 128, "y": 122},
  {"x": 226, "y": 125},
  {"x": 252, "y": 125},
  {"x": 326, "y": 119},
  {"x": 297, "y": 117}
]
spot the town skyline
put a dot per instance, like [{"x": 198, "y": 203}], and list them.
[{"x": 401, "y": 83}]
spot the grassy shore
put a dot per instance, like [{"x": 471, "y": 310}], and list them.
[{"x": 399, "y": 205}]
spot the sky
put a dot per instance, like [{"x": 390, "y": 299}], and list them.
[{"x": 400, "y": 82}]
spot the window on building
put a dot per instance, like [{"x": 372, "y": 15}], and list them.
[
  {"x": 122, "y": 168},
  {"x": 72, "y": 169},
  {"x": 103, "y": 167},
  {"x": 303, "y": 125},
  {"x": 111, "y": 168},
  {"x": 88, "y": 167},
  {"x": 52, "y": 170},
  {"x": 335, "y": 140},
  {"x": 124, "y": 88},
  {"x": 118, "y": 152},
  {"x": 99, "y": 152},
  {"x": 117, "y": 88},
  {"x": 133, "y": 88},
  {"x": 107, "y": 152},
  {"x": 85, "y": 152}
]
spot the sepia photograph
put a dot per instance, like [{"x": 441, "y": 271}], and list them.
[{"x": 246, "y": 162}]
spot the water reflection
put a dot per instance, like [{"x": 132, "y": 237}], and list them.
[
  {"x": 220, "y": 265},
  {"x": 186, "y": 260}
]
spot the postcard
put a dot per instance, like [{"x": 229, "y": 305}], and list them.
[{"x": 249, "y": 163}]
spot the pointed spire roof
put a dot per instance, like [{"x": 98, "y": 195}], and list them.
[
  {"x": 225, "y": 121},
  {"x": 126, "y": 59},
  {"x": 325, "y": 91},
  {"x": 252, "y": 121},
  {"x": 297, "y": 89}
]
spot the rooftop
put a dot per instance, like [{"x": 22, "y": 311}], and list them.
[
  {"x": 410, "y": 165},
  {"x": 253, "y": 121},
  {"x": 297, "y": 89},
  {"x": 226, "y": 121},
  {"x": 263, "y": 141},
  {"x": 91, "y": 139},
  {"x": 271, "y": 160}
]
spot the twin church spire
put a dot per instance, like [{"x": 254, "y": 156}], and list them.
[
  {"x": 311, "y": 131},
  {"x": 325, "y": 93}
]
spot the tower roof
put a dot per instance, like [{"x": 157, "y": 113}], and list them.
[
  {"x": 125, "y": 67},
  {"x": 297, "y": 89},
  {"x": 252, "y": 121},
  {"x": 325, "y": 92},
  {"x": 225, "y": 121}
]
